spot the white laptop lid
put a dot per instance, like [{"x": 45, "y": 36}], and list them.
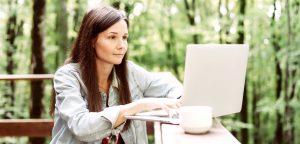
[{"x": 215, "y": 76}]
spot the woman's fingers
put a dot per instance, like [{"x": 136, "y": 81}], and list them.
[
  {"x": 172, "y": 103},
  {"x": 161, "y": 103}
]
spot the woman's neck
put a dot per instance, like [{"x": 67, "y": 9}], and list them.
[{"x": 103, "y": 71}]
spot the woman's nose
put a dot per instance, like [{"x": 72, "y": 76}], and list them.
[{"x": 122, "y": 44}]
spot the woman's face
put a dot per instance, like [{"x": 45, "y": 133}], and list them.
[{"x": 111, "y": 44}]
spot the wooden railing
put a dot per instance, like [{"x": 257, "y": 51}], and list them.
[
  {"x": 30, "y": 77},
  {"x": 33, "y": 127},
  {"x": 26, "y": 127}
]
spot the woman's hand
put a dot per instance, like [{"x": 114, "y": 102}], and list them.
[
  {"x": 146, "y": 104},
  {"x": 159, "y": 103}
]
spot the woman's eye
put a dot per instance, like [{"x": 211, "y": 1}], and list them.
[
  {"x": 125, "y": 37},
  {"x": 111, "y": 37}
]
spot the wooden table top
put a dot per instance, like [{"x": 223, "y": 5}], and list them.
[{"x": 174, "y": 134}]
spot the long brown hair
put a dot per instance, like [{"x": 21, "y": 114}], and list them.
[{"x": 94, "y": 22}]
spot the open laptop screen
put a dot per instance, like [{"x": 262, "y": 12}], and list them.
[{"x": 215, "y": 76}]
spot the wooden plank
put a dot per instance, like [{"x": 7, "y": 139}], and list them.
[
  {"x": 26, "y": 77},
  {"x": 26, "y": 127},
  {"x": 35, "y": 127}
]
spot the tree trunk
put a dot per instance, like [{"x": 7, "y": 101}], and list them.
[
  {"x": 11, "y": 32},
  {"x": 227, "y": 24},
  {"x": 244, "y": 116},
  {"x": 293, "y": 93},
  {"x": 241, "y": 31},
  {"x": 191, "y": 13},
  {"x": 171, "y": 51},
  {"x": 220, "y": 22},
  {"x": 240, "y": 40},
  {"x": 76, "y": 18},
  {"x": 279, "y": 127},
  {"x": 292, "y": 96},
  {"x": 61, "y": 32},
  {"x": 169, "y": 40},
  {"x": 289, "y": 110},
  {"x": 255, "y": 116},
  {"x": 37, "y": 64},
  {"x": 278, "y": 70}
]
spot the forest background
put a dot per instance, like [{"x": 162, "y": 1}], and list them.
[{"x": 36, "y": 37}]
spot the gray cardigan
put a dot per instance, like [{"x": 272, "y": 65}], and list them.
[{"x": 74, "y": 124}]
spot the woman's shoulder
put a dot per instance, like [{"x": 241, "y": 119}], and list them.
[
  {"x": 137, "y": 73},
  {"x": 130, "y": 64},
  {"x": 134, "y": 68},
  {"x": 68, "y": 68}
]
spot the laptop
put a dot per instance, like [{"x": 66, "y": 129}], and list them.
[{"x": 214, "y": 76}]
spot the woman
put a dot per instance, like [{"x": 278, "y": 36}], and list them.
[{"x": 97, "y": 86}]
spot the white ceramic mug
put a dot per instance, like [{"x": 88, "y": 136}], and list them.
[{"x": 195, "y": 119}]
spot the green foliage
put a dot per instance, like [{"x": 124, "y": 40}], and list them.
[{"x": 151, "y": 139}]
